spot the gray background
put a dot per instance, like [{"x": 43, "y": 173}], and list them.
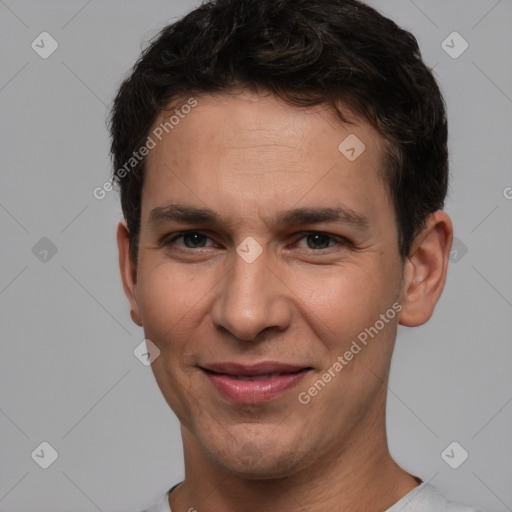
[{"x": 68, "y": 375}]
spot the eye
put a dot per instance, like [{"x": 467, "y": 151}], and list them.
[
  {"x": 316, "y": 240},
  {"x": 191, "y": 239}
]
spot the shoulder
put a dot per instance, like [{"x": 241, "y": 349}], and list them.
[
  {"x": 426, "y": 498},
  {"x": 161, "y": 506}
]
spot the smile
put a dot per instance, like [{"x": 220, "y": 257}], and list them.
[{"x": 253, "y": 384}]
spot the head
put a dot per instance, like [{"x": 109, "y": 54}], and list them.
[{"x": 302, "y": 146}]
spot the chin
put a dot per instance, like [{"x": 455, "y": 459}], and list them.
[
  {"x": 258, "y": 460},
  {"x": 263, "y": 469}
]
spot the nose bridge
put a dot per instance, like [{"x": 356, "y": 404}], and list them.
[{"x": 251, "y": 298}]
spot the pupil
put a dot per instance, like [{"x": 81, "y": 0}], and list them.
[{"x": 319, "y": 239}]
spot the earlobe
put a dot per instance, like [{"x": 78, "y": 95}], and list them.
[
  {"x": 128, "y": 271},
  {"x": 135, "y": 317},
  {"x": 425, "y": 270}
]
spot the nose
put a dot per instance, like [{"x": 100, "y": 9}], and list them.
[{"x": 252, "y": 298}]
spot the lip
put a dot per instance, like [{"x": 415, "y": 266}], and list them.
[
  {"x": 262, "y": 381},
  {"x": 250, "y": 370}
]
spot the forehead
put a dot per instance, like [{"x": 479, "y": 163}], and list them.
[{"x": 256, "y": 153}]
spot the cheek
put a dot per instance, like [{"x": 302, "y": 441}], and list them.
[
  {"x": 345, "y": 313},
  {"x": 167, "y": 294},
  {"x": 346, "y": 300},
  {"x": 170, "y": 302},
  {"x": 175, "y": 301}
]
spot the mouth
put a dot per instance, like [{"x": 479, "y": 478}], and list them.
[{"x": 256, "y": 383}]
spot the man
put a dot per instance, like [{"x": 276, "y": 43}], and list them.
[{"x": 283, "y": 168}]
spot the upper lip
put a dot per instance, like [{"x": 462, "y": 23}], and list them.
[{"x": 250, "y": 370}]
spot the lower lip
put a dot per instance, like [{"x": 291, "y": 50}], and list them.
[{"x": 254, "y": 391}]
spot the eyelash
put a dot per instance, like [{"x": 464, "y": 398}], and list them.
[{"x": 171, "y": 239}]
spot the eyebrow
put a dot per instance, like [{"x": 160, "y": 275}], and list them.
[{"x": 187, "y": 214}]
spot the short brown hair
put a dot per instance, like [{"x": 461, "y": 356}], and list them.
[{"x": 307, "y": 52}]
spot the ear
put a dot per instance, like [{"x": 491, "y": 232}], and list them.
[
  {"x": 425, "y": 270},
  {"x": 128, "y": 271}
]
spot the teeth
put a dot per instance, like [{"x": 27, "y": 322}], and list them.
[{"x": 257, "y": 377}]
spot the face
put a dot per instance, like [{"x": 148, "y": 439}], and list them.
[{"x": 265, "y": 254}]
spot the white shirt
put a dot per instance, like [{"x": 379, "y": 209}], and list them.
[{"x": 424, "y": 498}]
